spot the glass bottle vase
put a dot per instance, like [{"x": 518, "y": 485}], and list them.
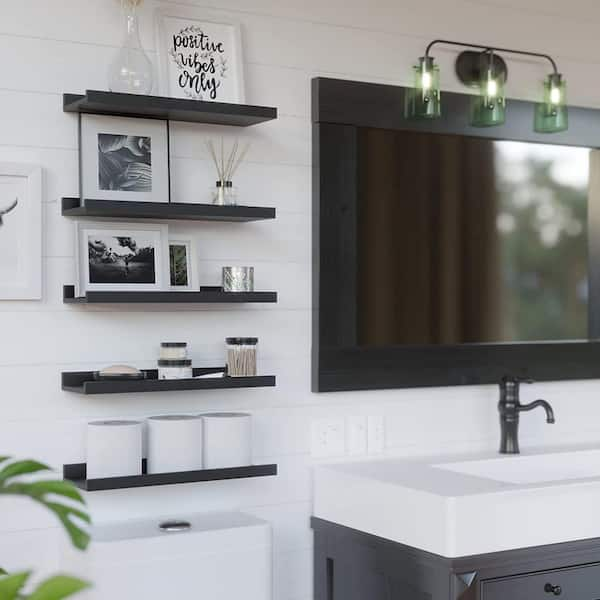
[{"x": 131, "y": 70}]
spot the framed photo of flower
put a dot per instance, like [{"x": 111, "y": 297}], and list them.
[
  {"x": 183, "y": 274},
  {"x": 122, "y": 256},
  {"x": 199, "y": 58},
  {"x": 124, "y": 159}
]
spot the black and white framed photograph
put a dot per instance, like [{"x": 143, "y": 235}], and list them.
[
  {"x": 124, "y": 159},
  {"x": 199, "y": 58},
  {"x": 183, "y": 274},
  {"x": 122, "y": 257},
  {"x": 21, "y": 188}
]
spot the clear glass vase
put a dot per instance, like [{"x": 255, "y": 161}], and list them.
[{"x": 131, "y": 70}]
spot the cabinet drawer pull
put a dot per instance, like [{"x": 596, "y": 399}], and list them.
[{"x": 553, "y": 589}]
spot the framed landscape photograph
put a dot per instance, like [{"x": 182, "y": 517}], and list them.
[
  {"x": 124, "y": 159},
  {"x": 21, "y": 189},
  {"x": 183, "y": 275},
  {"x": 199, "y": 59},
  {"x": 122, "y": 257}
]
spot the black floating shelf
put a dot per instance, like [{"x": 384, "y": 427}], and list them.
[
  {"x": 172, "y": 109},
  {"x": 76, "y": 473},
  {"x": 83, "y": 382},
  {"x": 203, "y": 297},
  {"x": 72, "y": 207}
]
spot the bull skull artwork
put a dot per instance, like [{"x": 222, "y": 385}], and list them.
[{"x": 5, "y": 211}]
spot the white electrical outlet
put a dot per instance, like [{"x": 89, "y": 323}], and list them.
[
  {"x": 375, "y": 434},
  {"x": 328, "y": 437},
  {"x": 356, "y": 436}
]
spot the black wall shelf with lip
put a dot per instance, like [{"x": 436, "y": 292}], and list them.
[
  {"x": 202, "y": 297},
  {"x": 73, "y": 207},
  {"x": 76, "y": 473},
  {"x": 82, "y": 382},
  {"x": 170, "y": 109}
]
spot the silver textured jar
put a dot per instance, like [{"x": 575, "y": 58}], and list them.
[{"x": 238, "y": 279}]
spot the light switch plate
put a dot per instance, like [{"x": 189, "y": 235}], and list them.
[
  {"x": 356, "y": 436},
  {"x": 375, "y": 434},
  {"x": 328, "y": 437}
]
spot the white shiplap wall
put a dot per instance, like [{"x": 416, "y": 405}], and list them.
[{"x": 66, "y": 45}]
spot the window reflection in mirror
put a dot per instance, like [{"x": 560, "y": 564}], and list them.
[{"x": 468, "y": 240}]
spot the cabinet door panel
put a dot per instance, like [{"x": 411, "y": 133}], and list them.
[{"x": 576, "y": 583}]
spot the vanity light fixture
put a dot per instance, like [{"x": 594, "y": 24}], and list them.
[
  {"x": 481, "y": 67},
  {"x": 488, "y": 108},
  {"x": 423, "y": 100},
  {"x": 551, "y": 114}
]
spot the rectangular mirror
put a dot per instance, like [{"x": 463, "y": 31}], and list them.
[{"x": 446, "y": 254}]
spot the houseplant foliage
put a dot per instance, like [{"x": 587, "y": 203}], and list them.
[{"x": 66, "y": 503}]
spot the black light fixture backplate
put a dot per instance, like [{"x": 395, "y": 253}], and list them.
[{"x": 469, "y": 65}]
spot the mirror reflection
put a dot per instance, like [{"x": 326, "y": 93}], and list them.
[{"x": 469, "y": 240}]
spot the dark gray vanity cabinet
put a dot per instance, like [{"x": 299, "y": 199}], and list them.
[
  {"x": 351, "y": 565},
  {"x": 574, "y": 583}
]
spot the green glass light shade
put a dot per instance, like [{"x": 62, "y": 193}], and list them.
[
  {"x": 488, "y": 108},
  {"x": 552, "y": 114},
  {"x": 423, "y": 101}
]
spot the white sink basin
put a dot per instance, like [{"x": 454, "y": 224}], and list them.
[
  {"x": 461, "y": 506},
  {"x": 541, "y": 468}
]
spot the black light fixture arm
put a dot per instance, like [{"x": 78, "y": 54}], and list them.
[{"x": 492, "y": 49}]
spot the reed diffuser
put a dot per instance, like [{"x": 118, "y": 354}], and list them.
[{"x": 227, "y": 164}]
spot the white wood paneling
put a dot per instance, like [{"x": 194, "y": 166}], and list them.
[{"x": 67, "y": 48}]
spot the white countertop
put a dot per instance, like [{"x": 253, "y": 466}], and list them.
[{"x": 467, "y": 504}]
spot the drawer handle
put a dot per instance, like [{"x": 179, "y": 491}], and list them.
[{"x": 553, "y": 589}]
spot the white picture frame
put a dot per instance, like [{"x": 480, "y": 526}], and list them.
[
  {"x": 192, "y": 284},
  {"x": 21, "y": 192},
  {"x": 199, "y": 58},
  {"x": 124, "y": 159},
  {"x": 104, "y": 257}
]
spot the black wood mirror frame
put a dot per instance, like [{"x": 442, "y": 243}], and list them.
[{"x": 339, "y": 109}]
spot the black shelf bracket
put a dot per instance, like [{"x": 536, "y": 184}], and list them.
[
  {"x": 83, "y": 382},
  {"x": 90, "y": 208},
  {"x": 169, "y": 109},
  {"x": 201, "y": 297},
  {"x": 77, "y": 474}
]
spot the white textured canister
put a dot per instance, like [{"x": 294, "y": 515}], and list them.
[
  {"x": 174, "y": 443},
  {"x": 227, "y": 440},
  {"x": 114, "y": 449}
]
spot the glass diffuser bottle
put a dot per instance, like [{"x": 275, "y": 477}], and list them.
[{"x": 131, "y": 70}]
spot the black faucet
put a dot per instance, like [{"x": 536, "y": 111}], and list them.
[{"x": 509, "y": 408}]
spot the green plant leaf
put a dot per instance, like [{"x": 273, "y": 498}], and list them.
[
  {"x": 3, "y": 572},
  {"x": 58, "y": 587},
  {"x": 22, "y": 467},
  {"x": 38, "y": 490},
  {"x": 11, "y": 585},
  {"x": 57, "y": 487},
  {"x": 79, "y": 537}
]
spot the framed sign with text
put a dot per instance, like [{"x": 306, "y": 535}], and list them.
[{"x": 199, "y": 59}]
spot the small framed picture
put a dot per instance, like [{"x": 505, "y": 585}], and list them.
[
  {"x": 21, "y": 188},
  {"x": 124, "y": 159},
  {"x": 199, "y": 58},
  {"x": 182, "y": 265},
  {"x": 122, "y": 257}
]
